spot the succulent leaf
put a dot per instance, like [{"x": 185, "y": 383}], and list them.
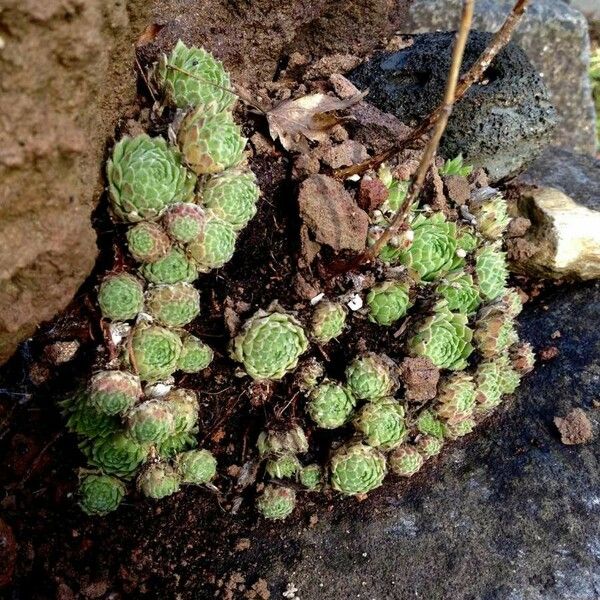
[
  {"x": 196, "y": 466},
  {"x": 330, "y": 405},
  {"x": 489, "y": 386},
  {"x": 405, "y": 460},
  {"x": 381, "y": 422},
  {"x": 511, "y": 299},
  {"x": 184, "y": 221},
  {"x": 114, "y": 392},
  {"x": 151, "y": 421},
  {"x": 456, "y": 430},
  {"x": 100, "y": 494},
  {"x": 491, "y": 271},
  {"x": 456, "y": 166},
  {"x": 116, "y": 454},
  {"x": 121, "y": 297},
  {"x": 172, "y": 268},
  {"x": 311, "y": 477},
  {"x": 494, "y": 331},
  {"x": 429, "y": 445},
  {"x": 215, "y": 247},
  {"x": 371, "y": 376},
  {"x": 429, "y": 424},
  {"x": 154, "y": 351},
  {"x": 173, "y": 305},
  {"x": 174, "y": 444},
  {"x": 158, "y": 480},
  {"x": 456, "y": 397},
  {"x": 292, "y": 440},
  {"x": 357, "y": 469},
  {"x": 147, "y": 242},
  {"x": 490, "y": 210},
  {"x": 183, "y": 405},
  {"x": 460, "y": 292},
  {"x": 284, "y": 466},
  {"x": 85, "y": 420},
  {"x": 388, "y": 302},
  {"x": 195, "y": 355},
  {"x": 328, "y": 321},
  {"x": 276, "y": 502}
]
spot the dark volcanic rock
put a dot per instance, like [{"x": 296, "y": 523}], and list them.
[{"x": 500, "y": 126}]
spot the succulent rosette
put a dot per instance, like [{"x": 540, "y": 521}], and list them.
[
  {"x": 371, "y": 376},
  {"x": 330, "y": 405},
  {"x": 195, "y": 355},
  {"x": 151, "y": 421},
  {"x": 522, "y": 357},
  {"x": 173, "y": 305},
  {"x": 456, "y": 430},
  {"x": 172, "y": 268},
  {"x": 405, "y": 460},
  {"x": 100, "y": 494},
  {"x": 429, "y": 424},
  {"x": 276, "y": 502},
  {"x": 147, "y": 242},
  {"x": 276, "y": 442},
  {"x": 184, "y": 221},
  {"x": 232, "y": 197},
  {"x": 193, "y": 77},
  {"x": 456, "y": 397},
  {"x": 328, "y": 321},
  {"x": 460, "y": 292},
  {"x": 284, "y": 466},
  {"x": 210, "y": 143},
  {"x": 445, "y": 339},
  {"x": 490, "y": 210},
  {"x": 114, "y": 392},
  {"x": 308, "y": 375},
  {"x": 269, "y": 345},
  {"x": 85, "y": 420},
  {"x": 491, "y": 271},
  {"x": 381, "y": 422},
  {"x": 388, "y": 302},
  {"x": 432, "y": 253},
  {"x": 121, "y": 297},
  {"x": 311, "y": 477},
  {"x": 489, "y": 386},
  {"x": 154, "y": 351},
  {"x": 429, "y": 446},
  {"x": 117, "y": 454},
  {"x": 357, "y": 469},
  {"x": 215, "y": 247},
  {"x": 178, "y": 442},
  {"x": 510, "y": 378},
  {"x": 196, "y": 467},
  {"x": 511, "y": 299},
  {"x": 392, "y": 251},
  {"x": 158, "y": 480},
  {"x": 494, "y": 331},
  {"x": 145, "y": 175},
  {"x": 183, "y": 405}
]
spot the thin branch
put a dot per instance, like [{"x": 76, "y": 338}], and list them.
[{"x": 498, "y": 42}]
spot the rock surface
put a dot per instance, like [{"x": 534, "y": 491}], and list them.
[
  {"x": 500, "y": 126},
  {"x": 554, "y": 37}
]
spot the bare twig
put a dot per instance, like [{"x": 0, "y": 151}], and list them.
[{"x": 498, "y": 42}]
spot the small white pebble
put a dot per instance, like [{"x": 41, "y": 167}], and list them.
[
  {"x": 317, "y": 299},
  {"x": 353, "y": 178},
  {"x": 461, "y": 253},
  {"x": 159, "y": 389},
  {"x": 355, "y": 303},
  {"x": 119, "y": 331}
]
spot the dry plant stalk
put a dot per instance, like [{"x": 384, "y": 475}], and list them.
[{"x": 498, "y": 42}]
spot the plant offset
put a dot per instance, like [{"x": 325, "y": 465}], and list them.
[{"x": 441, "y": 284}]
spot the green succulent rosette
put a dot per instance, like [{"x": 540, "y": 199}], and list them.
[
  {"x": 371, "y": 376},
  {"x": 210, "y": 143},
  {"x": 433, "y": 252},
  {"x": 276, "y": 502},
  {"x": 357, "y": 469},
  {"x": 445, "y": 339},
  {"x": 460, "y": 292},
  {"x": 388, "y": 302},
  {"x": 184, "y": 221},
  {"x": 173, "y": 305},
  {"x": 117, "y": 454},
  {"x": 196, "y": 467},
  {"x": 491, "y": 271},
  {"x": 151, "y": 422},
  {"x": 453, "y": 431},
  {"x": 158, "y": 480},
  {"x": 145, "y": 175},
  {"x": 308, "y": 375},
  {"x": 405, "y": 460},
  {"x": 330, "y": 405},
  {"x": 114, "y": 392},
  {"x": 381, "y": 422},
  {"x": 512, "y": 301},
  {"x": 154, "y": 351},
  {"x": 510, "y": 378},
  {"x": 121, "y": 297},
  {"x": 328, "y": 321},
  {"x": 85, "y": 420},
  {"x": 147, "y": 242},
  {"x": 489, "y": 386},
  {"x": 429, "y": 424},
  {"x": 174, "y": 267},
  {"x": 215, "y": 247},
  {"x": 195, "y": 355},
  {"x": 456, "y": 398},
  {"x": 311, "y": 477},
  {"x": 174, "y": 444},
  {"x": 494, "y": 331},
  {"x": 269, "y": 345},
  {"x": 429, "y": 446},
  {"x": 100, "y": 494},
  {"x": 522, "y": 357},
  {"x": 183, "y": 405},
  {"x": 193, "y": 77},
  {"x": 232, "y": 197},
  {"x": 490, "y": 210},
  {"x": 292, "y": 440},
  {"x": 397, "y": 190},
  {"x": 467, "y": 241},
  {"x": 284, "y": 466},
  {"x": 456, "y": 166}
]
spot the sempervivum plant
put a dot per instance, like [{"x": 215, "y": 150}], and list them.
[
  {"x": 117, "y": 454},
  {"x": 456, "y": 397},
  {"x": 445, "y": 339},
  {"x": 121, "y": 297},
  {"x": 357, "y": 469},
  {"x": 494, "y": 331},
  {"x": 171, "y": 268},
  {"x": 193, "y": 77},
  {"x": 491, "y": 271},
  {"x": 195, "y": 355},
  {"x": 460, "y": 293},
  {"x": 284, "y": 466},
  {"x": 453, "y": 431},
  {"x": 512, "y": 301},
  {"x": 330, "y": 405},
  {"x": 405, "y": 460},
  {"x": 522, "y": 357},
  {"x": 275, "y": 442},
  {"x": 429, "y": 445},
  {"x": 328, "y": 321},
  {"x": 308, "y": 375},
  {"x": 196, "y": 467},
  {"x": 158, "y": 480},
  {"x": 184, "y": 221},
  {"x": 381, "y": 422},
  {"x": 371, "y": 376},
  {"x": 154, "y": 351},
  {"x": 214, "y": 247},
  {"x": 210, "y": 143},
  {"x": 100, "y": 494},
  {"x": 489, "y": 386},
  {"x": 388, "y": 302},
  {"x": 491, "y": 212},
  {"x": 276, "y": 502},
  {"x": 269, "y": 345},
  {"x": 85, "y": 420},
  {"x": 510, "y": 378},
  {"x": 146, "y": 175},
  {"x": 151, "y": 421},
  {"x": 147, "y": 242},
  {"x": 311, "y": 477},
  {"x": 183, "y": 405},
  {"x": 173, "y": 305},
  {"x": 231, "y": 196},
  {"x": 114, "y": 392},
  {"x": 429, "y": 424}
]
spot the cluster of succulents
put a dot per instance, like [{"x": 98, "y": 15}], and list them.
[{"x": 183, "y": 207}]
